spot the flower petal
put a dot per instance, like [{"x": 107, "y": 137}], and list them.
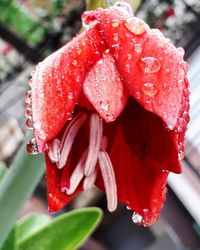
[
  {"x": 105, "y": 89},
  {"x": 56, "y": 199},
  {"x": 57, "y": 82},
  {"x": 149, "y": 138},
  {"x": 153, "y": 69},
  {"x": 140, "y": 185}
]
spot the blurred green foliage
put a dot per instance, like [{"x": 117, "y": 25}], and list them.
[{"x": 14, "y": 17}]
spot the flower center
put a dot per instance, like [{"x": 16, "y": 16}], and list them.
[{"x": 87, "y": 168}]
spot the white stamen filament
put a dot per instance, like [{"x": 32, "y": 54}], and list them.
[
  {"x": 109, "y": 180},
  {"x": 54, "y": 150},
  {"x": 69, "y": 137},
  {"x": 68, "y": 127},
  {"x": 78, "y": 174},
  {"x": 89, "y": 181},
  {"x": 96, "y": 130}
]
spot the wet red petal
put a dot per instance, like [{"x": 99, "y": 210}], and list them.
[
  {"x": 56, "y": 199},
  {"x": 105, "y": 90},
  {"x": 140, "y": 186},
  {"x": 152, "y": 67},
  {"x": 57, "y": 82}
]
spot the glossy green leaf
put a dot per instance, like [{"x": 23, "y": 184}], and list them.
[
  {"x": 29, "y": 225},
  {"x": 66, "y": 232},
  {"x": 16, "y": 187}
]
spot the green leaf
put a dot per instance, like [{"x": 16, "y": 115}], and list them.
[
  {"x": 30, "y": 224},
  {"x": 66, "y": 232},
  {"x": 17, "y": 186},
  {"x": 10, "y": 242},
  {"x": 3, "y": 170}
]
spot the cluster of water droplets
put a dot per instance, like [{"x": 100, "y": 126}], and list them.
[{"x": 31, "y": 145}]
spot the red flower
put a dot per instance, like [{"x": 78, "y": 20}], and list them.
[{"x": 111, "y": 108}]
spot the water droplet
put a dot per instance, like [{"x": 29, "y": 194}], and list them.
[
  {"x": 74, "y": 62},
  {"x": 135, "y": 25},
  {"x": 129, "y": 56},
  {"x": 149, "y": 89},
  {"x": 115, "y": 37},
  {"x": 180, "y": 84},
  {"x": 115, "y": 23},
  {"x": 70, "y": 96},
  {"x": 137, "y": 219},
  {"x": 30, "y": 82},
  {"x": 79, "y": 51},
  {"x": 149, "y": 64},
  {"x": 128, "y": 68},
  {"x": 29, "y": 122},
  {"x": 28, "y": 96},
  {"x": 104, "y": 105},
  {"x": 28, "y": 111},
  {"x": 167, "y": 70},
  {"x": 181, "y": 51},
  {"x": 138, "y": 48},
  {"x": 137, "y": 95},
  {"x": 69, "y": 116},
  {"x": 31, "y": 147}
]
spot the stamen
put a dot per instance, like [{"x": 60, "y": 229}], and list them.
[
  {"x": 78, "y": 174},
  {"x": 109, "y": 180},
  {"x": 54, "y": 150},
  {"x": 96, "y": 130},
  {"x": 69, "y": 136},
  {"x": 89, "y": 181}
]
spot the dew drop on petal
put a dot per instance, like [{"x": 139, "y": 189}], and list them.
[
  {"x": 138, "y": 48},
  {"x": 115, "y": 23},
  {"x": 135, "y": 25},
  {"x": 70, "y": 96},
  {"x": 137, "y": 219},
  {"x": 32, "y": 147},
  {"x": 128, "y": 68},
  {"x": 181, "y": 51},
  {"x": 28, "y": 96},
  {"x": 149, "y": 64},
  {"x": 28, "y": 111},
  {"x": 115, "y": 37},
  {"x": 29, "y": 122},
  {"x": 74, "y": 62},
  {"x": 104, "y": 105},
  {"x": 149, "y": 89}
]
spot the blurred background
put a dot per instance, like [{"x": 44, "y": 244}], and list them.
[{"x": 32, "y": 29}]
